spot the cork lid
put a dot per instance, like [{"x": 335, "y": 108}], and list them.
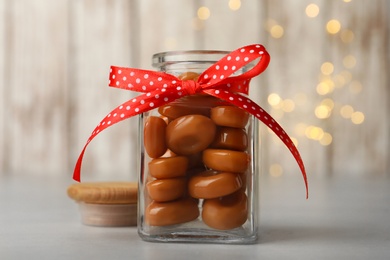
[{"x": 104, "y": 192}]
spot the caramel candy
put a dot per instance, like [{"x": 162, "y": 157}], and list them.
[
  {"x": 190, "y": 134},
  {"x": 173, "y": 111},
  {"x": 171, "y": 213},
  {"x": 189, "y": 76},
  {"x": 170, "y": 167},
  {"x": 229, "y": 116},
  {"x": 231, "y": 138},
  {"x": 211, "y": 184},
  {"x": 226, "y": 160},
  {"x": 227, "y": 212},
  {"x": 154, "y": 136},
  {"x": 166, "y": 189}
]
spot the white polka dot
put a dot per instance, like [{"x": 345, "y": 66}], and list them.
[
  {"x": 237, "y": 58},
  {"x": 229, "y": 58},
  {"x": 142, "y": 102},
  {"x": 151, "y": 83},
  {"x": 225, "y": 67},
  {"x": 217, "y": 92},
  {"x": 130, "y": 85},
  {"x": 166, "y": 99},
  {"x": 103, "y": 123},
  {"x": 178, "y": 88},
  {"x": 163, "y": 90},
  {"x": 179, "y": 93},
  {"x": 124, "y": 78},
  {"x": 151, "y": 104},
  {"x": 159, "y": 78},
  {"x": 148, "y": 94},
  {"x": 122, "y": 115},
  {"x": 206, "y": 76},
  {"x": 222, "y": 76},
  {"x": 233, "y": 67},
  {"x": 251, "y": 51},
  {"x": 109, "y": 115},
  {"x": 120, "y": 107},
  {"x": 217, "y": 67},
  {"x": 117, "y": 83},
  {"x": 114, "y": 115},
  {"x": 214, "y": 76},
  {"x": 156, "y": 96},
  {"x": 173, "y": 81},
  {"x": 143, "y": 87},
  {"x": 165, "y": 85},
  {"x": 134, "y": 100},
  {"x": 137, "y": 80},
  {"x": 128, "y": 108},
  {"x": 132, "y": 73},
  {"x": 261, "y": 52},
  {"x": 109, "y": 123},
  {"x": 242, "y": 50},
  {"x": 146, "y": 76},
  {"x": 137, "y": 109},
  {"x": 231, "y": 98},
  {"x": 245, "y": 106},
  {"x": 246, "y": 59},
  {"x": 119, "y": 71}
]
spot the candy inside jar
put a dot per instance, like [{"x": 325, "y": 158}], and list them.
[{"x": 198, "y": 171}]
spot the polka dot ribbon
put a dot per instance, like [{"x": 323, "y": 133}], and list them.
[{"x": 160, "y": 88}]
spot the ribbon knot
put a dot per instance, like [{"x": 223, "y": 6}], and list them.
[
  {"x": 218, "y": 80},
  {"x": 191, "y": 86}
]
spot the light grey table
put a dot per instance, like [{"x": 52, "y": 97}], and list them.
[{"x": 346, "y": 217}]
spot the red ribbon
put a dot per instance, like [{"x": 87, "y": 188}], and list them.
[{"x": 161, "y": 88}]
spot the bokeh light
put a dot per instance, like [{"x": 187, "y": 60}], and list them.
[
  {"x": 277, "y": 31},
  {"x": 203, "y": 13},
  {"x": 234, "y": 5},
  {"x": 327, "y": 68},
  {"x": 357, "y": 117},
  {"x": 333, "y": 26},
  {"x": 275, "y": 170},
  {"x": 312, "y": 10}
]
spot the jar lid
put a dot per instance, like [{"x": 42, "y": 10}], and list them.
[{"x": 104, "y": 192}]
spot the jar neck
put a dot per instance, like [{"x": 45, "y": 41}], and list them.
[{"x": 176, "y": 62}]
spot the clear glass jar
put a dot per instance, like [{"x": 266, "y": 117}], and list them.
[{"x": 198, "y": 177}]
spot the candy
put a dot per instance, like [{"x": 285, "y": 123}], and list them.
[
  {"x": 171, "y": 167},
  {"x": 170, "y": 213},
  {"x": 166, "y": 189},
  {"x": 229, "y": 116},
  {"x": 190, "y": 134},
  {"x": 226, "y": 160},
  {"x": 227, "y": 212},
  {"x": 210, "y": 184},
  {"x": 231, "y": 138},
  {"x": 154, "y": 136}
]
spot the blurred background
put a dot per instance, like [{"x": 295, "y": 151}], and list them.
[{"x": 328, "y": 82}]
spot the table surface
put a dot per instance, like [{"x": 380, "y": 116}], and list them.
[{"x": 346, "y": 217}]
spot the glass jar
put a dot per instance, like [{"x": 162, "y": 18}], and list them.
[{"x": 198, "y": 177}]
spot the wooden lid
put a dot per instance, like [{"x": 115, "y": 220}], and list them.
[{"x": 104, "y": 192}]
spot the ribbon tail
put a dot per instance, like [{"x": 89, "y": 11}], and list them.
[
  {"x": 133, "y": 107},
  {"x": 254, "y": 109}
]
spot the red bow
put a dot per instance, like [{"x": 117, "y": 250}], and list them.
[{"x": 161, "y": 88}]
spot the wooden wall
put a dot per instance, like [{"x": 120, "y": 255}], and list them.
[{"x": 55, "y": 58}]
